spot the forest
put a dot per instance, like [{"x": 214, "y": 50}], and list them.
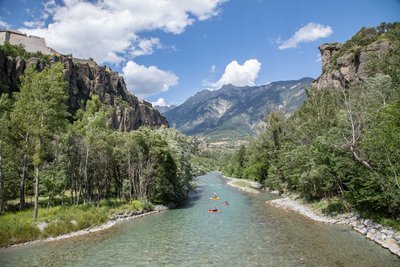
[
  {"x": 43, "y": 154},
  {"x": 342, "y": 144}
]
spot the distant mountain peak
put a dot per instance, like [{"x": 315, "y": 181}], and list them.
[{"x": 234, "y": 112}]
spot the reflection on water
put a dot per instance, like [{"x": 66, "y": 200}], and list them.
[{"x": 245, "y": 233}]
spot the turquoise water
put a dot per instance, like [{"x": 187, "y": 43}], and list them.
[{"x": 245, "y": 233}]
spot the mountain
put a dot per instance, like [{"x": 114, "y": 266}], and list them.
[
  {"x": 85, "y": 78},
  {"x": 346, "y": 64},
  {"x": 164, "y": 109},
  {"x": 234, "y": 112}
]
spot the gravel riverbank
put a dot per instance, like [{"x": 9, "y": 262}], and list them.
[
  {"x": 384, "y": 236},
  {"x": 244, "y": 185}
]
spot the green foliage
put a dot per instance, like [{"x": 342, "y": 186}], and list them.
[
  {"x": 17, "y": 228},
  {"x": 388, "y": 63},
  {"x": 20, "y": 227},
  {"x": 14, "y": 51},
  {"x": 341, "y": 144},
  {"x": 367, "y": 36}
]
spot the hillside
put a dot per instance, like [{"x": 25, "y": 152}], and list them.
[
  {"x": 234, "y": 112},
  {"x": 346, "y": 64},
  {"x": 85, "y": 78}
]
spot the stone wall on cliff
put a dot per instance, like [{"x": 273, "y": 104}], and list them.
[{"x": 84, "y": 80}]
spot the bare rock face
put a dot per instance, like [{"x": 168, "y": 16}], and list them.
[
  {"x": 85, "y": 78},
  {"x": 343, "y": 68}
]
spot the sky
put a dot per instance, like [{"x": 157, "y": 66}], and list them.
[{"x": 168, "y": 50}]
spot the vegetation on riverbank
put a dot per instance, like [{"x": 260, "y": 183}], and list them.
[
  {"x": 19, "y": 227},
  {"x": 46, "y": 152},
  {"x": 342, "y": 144}
]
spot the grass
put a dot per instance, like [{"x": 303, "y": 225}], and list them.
[
  {"x": 328, "y": 206},
  {"x": 19, "y": 227},
  {"x": 334, "y": 205}
]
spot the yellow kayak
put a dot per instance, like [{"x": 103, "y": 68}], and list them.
[{"x": 214, "y": 198}]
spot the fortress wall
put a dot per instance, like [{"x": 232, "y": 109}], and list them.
[
  {"x": 2, "y": 37},
  {"x": 31, "y": 43}
]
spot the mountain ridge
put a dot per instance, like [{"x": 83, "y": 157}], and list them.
[{"x": 235, "y": 112}]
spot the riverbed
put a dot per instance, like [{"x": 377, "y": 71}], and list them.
[{"x": 246, "y": 233}]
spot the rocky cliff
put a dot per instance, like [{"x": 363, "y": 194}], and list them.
[
  {"x": 346, "y": 64},
  {"x": 85, "y": 78}
]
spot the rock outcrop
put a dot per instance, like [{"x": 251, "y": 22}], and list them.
[
  {"x": 85, "y": 78},
  {"x": 344, "y": 67}
]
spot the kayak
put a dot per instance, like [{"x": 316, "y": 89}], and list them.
[
  {"x": 213, "y": 211},
  {"x": 225, "y": 203},
  {"x": 214, "y": 198}
]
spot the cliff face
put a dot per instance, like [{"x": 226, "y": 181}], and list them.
[
  {"x": 344, "y": 67},
  {"x": 85, "y": 78}
]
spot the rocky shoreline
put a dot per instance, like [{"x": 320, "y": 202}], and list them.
[
  {"x": 115, "y": 219},
  {"x": 244, "y": 185},
  {"x": 382, "y": 235}
]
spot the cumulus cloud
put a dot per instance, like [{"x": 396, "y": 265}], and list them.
[
  {"x": 308, "y": 33},
  {"x": 34, "y": 23},
  {"x": 145, "y": 46},
  {"x": 160, "y": 102},
  {"x": 239, "y": 75},
  {"x": 107, "y": 30},
  {"x": 144, "y": 81},
  {"x": 3, "y": 24}
]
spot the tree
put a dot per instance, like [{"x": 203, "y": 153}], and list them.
[
  {"x": 41, "y": 111},
  {"x": 5, "y": 110}
]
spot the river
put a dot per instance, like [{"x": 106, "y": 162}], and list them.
[{"x": 245, "y": 233}]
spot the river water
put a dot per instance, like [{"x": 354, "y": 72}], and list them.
[{"x": 245, "y": 233}]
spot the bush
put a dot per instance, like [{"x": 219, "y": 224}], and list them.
[
  {"x": 137, "y": 205},
  {"x": 17, "y": 227}
]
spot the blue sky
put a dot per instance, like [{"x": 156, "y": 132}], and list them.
[{"x": 171, "y": 49}]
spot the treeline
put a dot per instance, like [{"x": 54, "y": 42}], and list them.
[
  {"x": 342, "y": 143},
  {"x": 43, "y": 154}
]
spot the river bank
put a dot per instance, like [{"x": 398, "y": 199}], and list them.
[
  {"x": 190, "y": 236},
  {"x": 42, "y": 227},
  {"x": 384, "y": 236},
  {"x": 117, "y": 218},
  {"x": 244, "y": 185}
]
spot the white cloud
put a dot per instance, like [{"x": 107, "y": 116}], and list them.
[
  {"x": 308, "y": 33},
  {"x": 34, "y": 23},
  {"x": 39, "y": 19},
  {"x": 239, "y": 75},
  {"x": 318, "y": 58},
  {"x": 213, "y": 68},
  {"x": 144, "y": 81},
  {"x": 160, "y": 102},
  {"x": 4, "y": 24},
  {"x": 110, "y": 27},
  {"x": 145, "y": 46}
]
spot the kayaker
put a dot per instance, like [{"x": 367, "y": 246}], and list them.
[
  {"x": 215, "y": 195},
  {"x": 215, "y": 209}
]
